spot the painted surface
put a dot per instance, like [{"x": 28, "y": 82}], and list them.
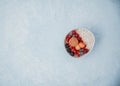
[{"x": 32, "y": 49}]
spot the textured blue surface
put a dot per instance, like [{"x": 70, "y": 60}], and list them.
[{"x": 31, "y": 43}]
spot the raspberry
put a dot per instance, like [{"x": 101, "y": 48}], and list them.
[
  {"x": 73, "y": 32},
  {"x": 85, "y": 51},
  {"x": 68, "y": 38},
  {"x": 77, "y": 54},
  {"x": 76, "y": 35},
  {"x": 79, "y": 39},
  {"x": 73, "y": 50}
]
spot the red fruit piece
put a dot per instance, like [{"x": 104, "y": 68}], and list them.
[
  {"x": 68, "y": 38},
  {"x": 78, "y": 54},
  {"x": 73, "y": 50},
  {"x": 73, "y": 32},
  {"x": 76, "y": 35},
  {"x": 79, "y": 39},
  {"x": 85, "y": 51}
]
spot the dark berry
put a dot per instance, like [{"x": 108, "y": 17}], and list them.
[
  {"x": 77, "y": 53},
  {"x": 81, "y": 52},
  {"x": 72, "y": 54},
  {"x": 68, "y": 50},
  {"x": 73, "y": 50},
  {"x": 67, "y": 45}
]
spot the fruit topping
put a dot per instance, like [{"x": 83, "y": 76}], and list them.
[
  {"x": 85, "y": 51},
  {"x": 77, "y": 47},
  {"x": 73, "y": 32},
  {"x": 67, "y": 45},
  {"x": 82, "y": 45},
  {"x": 73, "y": 50},
  {"x": 68, "y": 38},
  {"x": 81, "y": 49},
  {"x": 71, "y": 53},
  {"x": 73, "y": 42},
  {"x": 81, "y": 53},
  {"x": 77, "y": 54}
]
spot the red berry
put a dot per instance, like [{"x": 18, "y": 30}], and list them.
[
  {"x": 79, "y": 39},
  {"x": 77, "y": 54},
  {"x": 68, "y": 38},
  {"x": 85, "y": 50},
  {"x": 71, "y": 47},
  {"x": 76, "y": 35},
  {"x": 73, "y": 32},
  {"x": 73, "y": 50}
]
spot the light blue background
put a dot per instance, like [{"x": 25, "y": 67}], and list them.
[{"x": 32, "y": 43}]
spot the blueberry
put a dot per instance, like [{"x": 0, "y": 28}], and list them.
[
  {"x": 68, "y": 50},
  {"x": 81, "y": 52},
  {"x": 66, "y": 46},
  {"x": 72, "y": 54}
]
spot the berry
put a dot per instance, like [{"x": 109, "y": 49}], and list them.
[
  {"x": 77, "y": 54},
  {"x": 68, "y": 38},
  {"x": 76, "y": 35},
  {"x": 67, "y": 45},
  {"x": 81, "y": 49},
  {"x": 73, "y": 32},
  {"x": 72, "y": 53},
  {"x": 85, "y": 51},
  {"x": 68, "y": 50},
  {"x": 79, "y": 39},
  {"x": 73, "y": 50}
]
